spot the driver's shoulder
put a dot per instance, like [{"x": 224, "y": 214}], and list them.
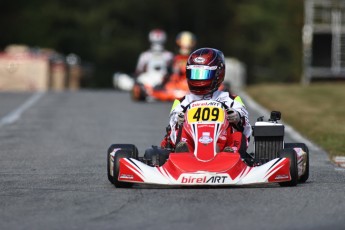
[{"x": 228, "y": 97}]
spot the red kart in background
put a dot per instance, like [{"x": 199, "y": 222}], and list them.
[
  {"x": 175, "y": 87},
  {"x": 171, "y": 87}
]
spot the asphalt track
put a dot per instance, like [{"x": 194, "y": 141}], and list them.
[{"x": 53, "y": 174}]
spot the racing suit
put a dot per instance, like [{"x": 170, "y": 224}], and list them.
[
  {"x": 179, "y": 65},
  {"x": 176, "y": 73},
  {"x": 235, "y": 136},
  {"x": 151, "y": 60}
]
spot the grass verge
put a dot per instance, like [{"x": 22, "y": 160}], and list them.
[{"x": 317, "y": 111}]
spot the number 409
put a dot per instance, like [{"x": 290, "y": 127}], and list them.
[{"x": 206, "y": 114}]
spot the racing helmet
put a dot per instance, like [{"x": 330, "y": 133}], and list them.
[
  {"x": 205, "y": 71},
  {"x": 186, "y": 41},
  {"x": 157, "y": 38}
]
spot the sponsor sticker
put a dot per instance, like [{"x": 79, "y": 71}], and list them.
[
  {"x": 281, "y": 177},
  {"x": 205, "y": 67},
  {"x": 126, "y": 176},
  {"x": 209, "y": 103},
  {"x": 204, "y": 179},
  {"x": 223, "y": 138},
  {"x": 199, "y": 60},
  {"x": 205, "y": 138}
]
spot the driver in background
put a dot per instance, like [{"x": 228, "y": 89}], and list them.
[
  {"x": 185, "y": 42},
  {"x": 205, "y": 72},
  {"x": 157, "y": 58}
]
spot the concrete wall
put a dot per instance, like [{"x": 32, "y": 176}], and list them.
[
  {"x": 22, "y": 69},
  {"x": 23, "y": 72}
]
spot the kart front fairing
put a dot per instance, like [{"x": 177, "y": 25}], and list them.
[{"x": 185, "y": 169}]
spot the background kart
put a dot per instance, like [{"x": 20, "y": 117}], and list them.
[
  {"x": 125, "y": 82},
  {"x": 175, "y": 88},
  {"x": 148, "y": 86},
  {"x": 272, "y": 162}
]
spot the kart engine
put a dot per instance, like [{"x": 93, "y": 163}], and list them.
[{"x": 268, "y": 138}]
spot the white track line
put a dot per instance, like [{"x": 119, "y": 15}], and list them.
[{"x": 15, "y": 114}]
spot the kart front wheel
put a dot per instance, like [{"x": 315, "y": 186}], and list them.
[
  {"x": 123, "y": 153},
  {"x": 292, "y": 156},
  {"x": 303, "y": 178},
  {"x": 130, "y": 148}
]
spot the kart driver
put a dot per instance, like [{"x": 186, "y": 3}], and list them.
[
  {"x": 156, "y": 58},
  {"x": 185, "y": 42},
  {"x": 205, "y": 72}
]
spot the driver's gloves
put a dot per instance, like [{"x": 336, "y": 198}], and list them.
[
  {"x": 232, "y": 115},
  {"x": 180, "y": 118}
]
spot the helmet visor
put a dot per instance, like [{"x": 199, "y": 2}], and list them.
[{"x": 201, "y": 72}]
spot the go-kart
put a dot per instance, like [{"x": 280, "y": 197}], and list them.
[
  {"x": 165, "y": 88},
  {"x": 175, "y": 87},
  {"x": 171, "y": 86},
  {"x": 272, "y": 162},
  {"x": 125, "y": 82},
  {"x": 155, "y": 70}
]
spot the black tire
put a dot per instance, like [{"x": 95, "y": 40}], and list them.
[
  {"x": 303, "y": 146},
  {"x": 292, "y": 155},
  {"x": 129, "y": 147},
  {"x": 138, "y": 93},
  {"x": 123, "y": 153},
  {"x": 110, "y": 177},
  {"x": 156, "y": 156},
  {"x": 132, "y": 148}
]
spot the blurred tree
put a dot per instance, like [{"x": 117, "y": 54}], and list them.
[
  {"x": 268, "y": 38},
  {"x": 265, "y": 35}
]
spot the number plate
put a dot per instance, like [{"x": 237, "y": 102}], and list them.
[{"x": 205, "y": 114}]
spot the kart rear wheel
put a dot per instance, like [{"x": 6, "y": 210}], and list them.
[
  {"x": 110, "y": 177},
  {"x": 303, "y": 146},
  {"x": 138, "y": 93},
  {"x": 132, "y": 149},
  {"x": 292, "y": 156},
  {"x": 123, "y": 153}
]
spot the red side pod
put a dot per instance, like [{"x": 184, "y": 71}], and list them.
[
  {"x": 129, "y": 171},
  {"x": 281, "y": 172}
]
